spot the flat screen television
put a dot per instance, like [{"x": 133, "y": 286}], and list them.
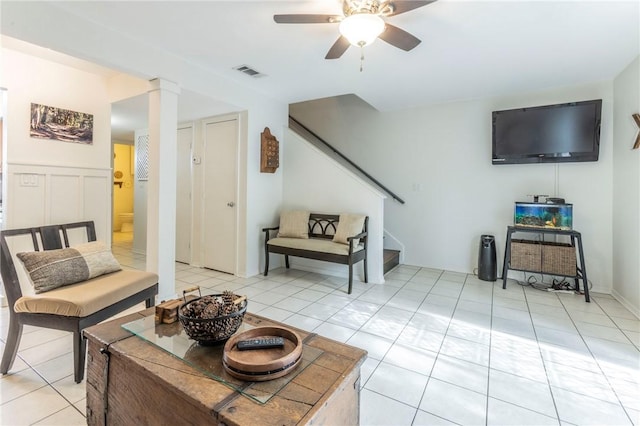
[{"x": 559, "y": 133}]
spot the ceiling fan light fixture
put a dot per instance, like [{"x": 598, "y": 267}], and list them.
[{"x": 361, "y": 29}]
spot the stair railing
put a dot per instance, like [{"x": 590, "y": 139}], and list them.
[{"x": 293, "y": 123}]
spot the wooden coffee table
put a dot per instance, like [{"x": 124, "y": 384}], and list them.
[{"x": 133, "y": 381}]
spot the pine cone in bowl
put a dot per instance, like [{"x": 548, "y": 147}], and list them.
[{"x": 212, "y": 319}]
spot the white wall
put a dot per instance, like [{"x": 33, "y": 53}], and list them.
[
  {"x": 29, "y": 79},
  {"x": 74, "y": 180},
  {"x": 65, "y": 87},
  {"x": 315, "y": 182},
  {"x": 264, "y": 191},
  {"x": 261, "y": 193},
  {"x": 626, "y": 189},
  {"x": 438, "y": 159}
]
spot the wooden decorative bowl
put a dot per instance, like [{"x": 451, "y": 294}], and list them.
[{"x": 262, "y": 364}]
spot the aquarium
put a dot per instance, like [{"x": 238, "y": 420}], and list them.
[{"x": 544, "y": 215}]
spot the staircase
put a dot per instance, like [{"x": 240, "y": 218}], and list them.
[
  {"x": 332, "y": 152},
  {"x": 391, "y": 259}
]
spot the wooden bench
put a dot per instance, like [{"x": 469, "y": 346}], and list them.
[
  {"x": 71, "y": 307},
  {"x": 319, "y": 245}
]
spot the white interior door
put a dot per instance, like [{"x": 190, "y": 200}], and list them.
[
  {"x": 220, "y": 189},
  {"x": 183, "y": 195}
]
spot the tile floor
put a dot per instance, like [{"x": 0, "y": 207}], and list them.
[{"x": 444, "y": 348}]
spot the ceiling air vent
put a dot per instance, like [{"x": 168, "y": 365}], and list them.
[{"x": 249, "y": 71}]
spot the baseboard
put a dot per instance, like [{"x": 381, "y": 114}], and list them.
[
  {"x": 635, "y": 310},
  {"x": 599, "y": 289},
  {"x": 331, "y": 270},
  {"x": 334, "y": 270}
]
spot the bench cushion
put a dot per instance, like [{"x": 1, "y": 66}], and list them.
[
  {"x": 314, "y": 244},
  {"x": 87, "y": 297},
  {"x": 294, "y": 224},
  {"x": 348, "y": 226}
]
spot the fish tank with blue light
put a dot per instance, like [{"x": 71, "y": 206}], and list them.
[{"x": 544, "y": 215}]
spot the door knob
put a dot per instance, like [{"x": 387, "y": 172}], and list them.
[{"x": 231, "y": 204}]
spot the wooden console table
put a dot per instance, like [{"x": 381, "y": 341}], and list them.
[
  {"x": 580, "y": 272},
  {"x": 132, "y": 381}
]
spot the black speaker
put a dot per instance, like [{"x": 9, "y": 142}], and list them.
[{"x": 487, "y": 267}]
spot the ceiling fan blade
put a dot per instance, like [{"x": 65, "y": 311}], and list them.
[
  {"x": 339, "y": 47},
  {"x": 306, "y": 19},
  {"x": 405, "y": 6},
  {"x": 399, "y": 38}
]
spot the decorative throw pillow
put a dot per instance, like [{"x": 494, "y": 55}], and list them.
[
  {"x": 348, "y": 226},
  {"x": 294, "y": 224},
  {"x": 51, "y": 269}
]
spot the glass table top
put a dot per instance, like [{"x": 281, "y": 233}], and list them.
[{"x": 208, "y": 359}]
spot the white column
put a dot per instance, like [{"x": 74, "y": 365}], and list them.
[{"x": 161, "y": 201}]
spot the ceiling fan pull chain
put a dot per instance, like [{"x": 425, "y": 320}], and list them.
[{"x": 361, "y": 56}]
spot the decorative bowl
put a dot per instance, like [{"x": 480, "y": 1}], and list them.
[{"x": 212, "y": 319}]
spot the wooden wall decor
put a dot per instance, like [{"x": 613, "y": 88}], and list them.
[
  {"x": 636, "y": 117},
  {"x": 269, "y": 152}
]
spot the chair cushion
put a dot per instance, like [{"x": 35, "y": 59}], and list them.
[
  {"x": 314, "y": 244},
  {"x": 348, "y": 226},
  {"x": 294, "y": 224},
  {"x": 88, "y": 297},
  {"x": 50, "y": 269}
]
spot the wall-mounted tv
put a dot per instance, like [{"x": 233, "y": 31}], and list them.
[{"x": 560, "y": 133}]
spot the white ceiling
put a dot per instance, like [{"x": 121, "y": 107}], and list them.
[
  {"x": 470, "y": 49},
  {"x": 131, "y": 114}
]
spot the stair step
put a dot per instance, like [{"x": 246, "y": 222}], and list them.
[{"x": 391, "y": 259}]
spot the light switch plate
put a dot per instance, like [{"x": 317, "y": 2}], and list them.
[{"x": 28, "y": 180}]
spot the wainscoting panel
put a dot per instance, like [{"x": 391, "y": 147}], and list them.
[
  {"x": 23, "y": 204},
  {"x": 42, "y": 195},
  {"x": 66, "y": 194},
  {"x": 94, "y": 202}
]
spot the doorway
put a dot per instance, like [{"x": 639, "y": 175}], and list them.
[
  {"x": 123, "y": 193},
  {"x": 220, "y": 138}
]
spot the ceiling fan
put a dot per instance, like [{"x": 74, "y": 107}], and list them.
[{"x": 362, "y": 22}]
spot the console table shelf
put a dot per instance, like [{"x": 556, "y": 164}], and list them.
[{"x": 564, "y": 270}]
